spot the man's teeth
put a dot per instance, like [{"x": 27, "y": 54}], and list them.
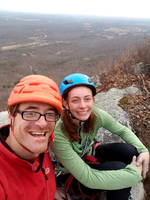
[{"x": 38, "y": 134}]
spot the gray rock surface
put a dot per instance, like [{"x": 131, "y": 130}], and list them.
[
  {"x": 108, "y": 101},
  {"x": 3, "y": 118}
]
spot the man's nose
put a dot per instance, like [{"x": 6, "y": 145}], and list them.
[{"x": 42, "y": 121}]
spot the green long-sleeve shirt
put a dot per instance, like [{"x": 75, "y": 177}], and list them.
[{"x": 69, "y": 155}]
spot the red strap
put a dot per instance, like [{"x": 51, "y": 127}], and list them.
[
  {"x": 68, "y": 182},
  {"x": 91, "y": 159},
  {"x": 96, "y": 145}
]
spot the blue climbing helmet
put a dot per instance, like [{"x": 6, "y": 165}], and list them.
[{"x": 76, "y": 79}]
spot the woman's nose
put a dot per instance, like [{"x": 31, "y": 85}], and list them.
[{"x": 82, "y": 103}]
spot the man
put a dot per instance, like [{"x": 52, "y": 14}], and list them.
[{"x": 26, "y": 171}]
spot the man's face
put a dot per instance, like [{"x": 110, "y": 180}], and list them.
[{"x": 32, "y": 135}]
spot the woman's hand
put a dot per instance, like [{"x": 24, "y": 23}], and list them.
[
  {"x": 143, "y": 159},
  {"x": 139, "y": 167}
]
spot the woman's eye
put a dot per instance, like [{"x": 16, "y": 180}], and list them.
[
  {"x": 88, "y": 99},
  {"x": 74, "y": 101}
]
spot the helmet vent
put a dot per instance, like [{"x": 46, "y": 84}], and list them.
[
  {"x": 34, "y": 83},
  {"x": 66, "y": 82},
  {"x": 53, "y": 88}
]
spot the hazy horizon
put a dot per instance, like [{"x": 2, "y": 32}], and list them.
[
  {"x": 73, "y": 15},
  {"x": 114, "y": 8}
]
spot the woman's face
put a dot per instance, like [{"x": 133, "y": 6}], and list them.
[{"x": 80, "y": 102}]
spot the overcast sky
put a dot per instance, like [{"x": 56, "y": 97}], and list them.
[{"x": 121, "y": 8}]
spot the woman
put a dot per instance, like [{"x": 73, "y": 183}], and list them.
[{"x": 116, "y": 167}]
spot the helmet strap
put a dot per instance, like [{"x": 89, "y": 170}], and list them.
[
  {"x": 12, "y": 132},
  {"x": 73, "y": 117}
]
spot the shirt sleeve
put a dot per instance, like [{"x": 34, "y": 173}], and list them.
[
  {"x": 109, "y": 123},
  {"x": 92, "y": 178}
]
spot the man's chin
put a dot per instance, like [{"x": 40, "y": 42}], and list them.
[{"x": 39, "y": 151}]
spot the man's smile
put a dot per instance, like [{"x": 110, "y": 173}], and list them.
[{"x": 38, "y": 134}]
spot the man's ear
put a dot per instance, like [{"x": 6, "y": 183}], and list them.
[
  {"x": 65, "y": 104},
  {"x": 11, "y": 121},
  {"x": 9, "y": 118}
]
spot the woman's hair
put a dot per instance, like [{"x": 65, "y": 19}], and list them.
[{"x": 72, "y": 130}]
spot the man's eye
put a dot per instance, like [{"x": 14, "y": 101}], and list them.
[
  {"x": 29, "y": 113},
  {"x": 50, "y": 114}
]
